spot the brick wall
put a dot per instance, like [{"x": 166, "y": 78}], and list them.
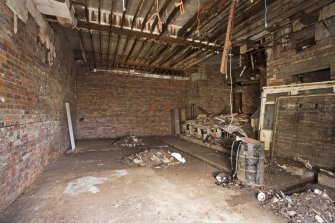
[
  {"x": 284, "y": 61},
  {"x": 111, "y": 105},
  {"x": 251, "y": 98},
  {"x": 33, "y": 127},
  {"x": 210, "y": 90}
]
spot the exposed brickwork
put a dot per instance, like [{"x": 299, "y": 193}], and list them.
[
  {"x": 284, "y": 61},
  {"x": 33, "y": 127},
  {"x": 251, "y": 98},
  {"x": 210, "y": 92},
  {"x": 115, "y": 105}
]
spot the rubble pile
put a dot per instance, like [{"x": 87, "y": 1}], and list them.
[
  {"x": 154, "y": 157},
  {"x": 129, "y": 141},
  {"x": 219, "y": 129},
  {"x": 310, "y": 206}
]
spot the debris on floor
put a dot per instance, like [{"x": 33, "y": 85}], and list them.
[
  {"x": 309, "y": 206},
  {"x": 84, "y": 185},
  {"x": 227, "y": 181},
  {"x": 218, "y": 130},
  {"x": 154, "y": 157},
  {"x": 129, "y": 141},
  {"x": 178, "y": 157}
]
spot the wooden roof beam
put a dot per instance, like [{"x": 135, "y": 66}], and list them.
[{"x": 160, "y": 39}]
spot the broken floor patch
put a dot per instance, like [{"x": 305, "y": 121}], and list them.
[{"x": 83, "y": 185}]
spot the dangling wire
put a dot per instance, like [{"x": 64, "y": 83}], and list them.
[
  {"x": 265, "y": 14},
  {"x": 198, "y": 27},
  {"x": 155, "y": 14},
  {"x": 231, "y": 87},
  {"x": 181, "y": 6}
]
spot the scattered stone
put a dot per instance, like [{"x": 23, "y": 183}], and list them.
[
  {"x": 129, "y": 141},
  {"x": 222, "y": 178},
  {"x": 154, "y": 157},
  {"x": 261, "y": 196},
  {"x": 303, "y": 207},
  {"x": 291, "y": 213},
  {"x": 178, "y": 157},
  {"x": 319, "y": 219}
]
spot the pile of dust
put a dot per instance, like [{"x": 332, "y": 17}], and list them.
[
  {"x": 310, "y": 206},
  {"x": 129, "y": 141},
  {"x": 154, "y": 157}
]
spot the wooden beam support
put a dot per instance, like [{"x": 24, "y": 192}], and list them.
[
  {"x": 159, "y": 54},
  {"x": 88, "y": 26},
  {"x": 118, "y": 36},
  {"x": 140, "y": 50},
  {"x": 132, "y": 26},
  {"x": 82, "y": 47},
  {"x": 160, "y": 39},
  {"x": 109, "y": 33},
  {"x": 198, "y": 60},
  {"x": 175, "y": 52},
  {"x": 100, "y": 42},
  {"x": 183, "y": 56},
  {"x": 120, "y": 62},
  {"x": 227, "y": 44},
  {"x": 191, "y": 24}
]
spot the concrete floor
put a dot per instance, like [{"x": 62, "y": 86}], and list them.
[{"x": 179, "y": 193}]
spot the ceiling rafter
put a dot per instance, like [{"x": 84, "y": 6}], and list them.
[
  {"x": 139, "y": 7},
  {"x": 120, "y": 61},
  {"x": 88, "y": 26},
  {"x": 118, "y": 36},
  {"x": 169, "y": 19},
  {"x": 109, "y": 32},
  {"x": 153, "y": 37},
  {"x": 192, "y": 23}
]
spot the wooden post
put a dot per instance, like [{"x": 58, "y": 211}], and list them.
[
  {"x": 69, "y": 121},
  {"x": 227, "y": 43}
]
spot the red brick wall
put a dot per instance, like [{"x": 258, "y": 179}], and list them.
[
  {"x": 33, "y": 127},
  {"x": 115, "y": 105}
]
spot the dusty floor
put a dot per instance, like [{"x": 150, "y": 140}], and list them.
[{"x": 179, "y": 193}]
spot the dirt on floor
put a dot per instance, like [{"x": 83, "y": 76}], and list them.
[{"x": 99, "y": 187}]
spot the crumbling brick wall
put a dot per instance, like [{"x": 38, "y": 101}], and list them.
[
  {"x": 33, "y": 124},
  {"x": 209, "y": 92},
  {"x": 112, "y": 105}
]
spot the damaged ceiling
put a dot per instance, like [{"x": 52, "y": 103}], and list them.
[{"x": 169, "y": 37}]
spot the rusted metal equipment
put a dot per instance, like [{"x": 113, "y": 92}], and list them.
[{"x": 250, "y": 164}]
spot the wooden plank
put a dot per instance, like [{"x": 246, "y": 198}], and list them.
[
  {"x": 305, "y": 127},
  {"x": 326, "y": 180},
  {"x": 69, "y": 121}
]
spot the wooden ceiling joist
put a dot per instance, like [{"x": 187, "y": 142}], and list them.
[
  {"x": 160, "y": 39},
  {"x": 109, "y": 33},
  {"x": 91, "y": 36},
  {"x": 121, "y": 61}
]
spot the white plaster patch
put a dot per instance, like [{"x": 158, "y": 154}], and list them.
[
  {"x": 83, "y": 185},
  {"x": 121, "y": 173}
]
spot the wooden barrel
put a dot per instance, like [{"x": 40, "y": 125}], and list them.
[{"x": 250, "y": 165}]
